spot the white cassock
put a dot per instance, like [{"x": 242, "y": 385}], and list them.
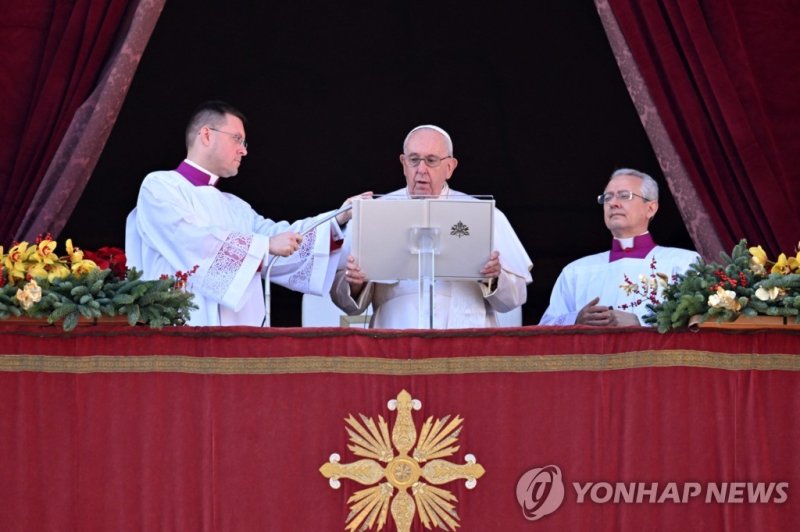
[
  {"x": 177, "y": 225},
  {"x": 457, "y": 304},
  {"x": 594, "y": 276}
]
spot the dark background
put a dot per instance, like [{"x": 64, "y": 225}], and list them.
[{"x": 529, "y": 91}]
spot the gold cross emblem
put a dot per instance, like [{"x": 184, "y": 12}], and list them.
[{"x": 435, "y": 506}]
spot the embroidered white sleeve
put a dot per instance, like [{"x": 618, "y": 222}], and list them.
[
  {"x": 226, "y": 264},
  {"x": 301, "y": 279}
]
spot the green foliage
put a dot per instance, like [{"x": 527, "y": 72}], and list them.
[
  {"x": 688, "y": 294},
  {"x": 157, "y": 303}
]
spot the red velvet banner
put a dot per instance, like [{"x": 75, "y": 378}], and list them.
[{"x": 227, "y": 428}]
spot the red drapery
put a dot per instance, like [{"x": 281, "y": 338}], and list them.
[
  {"x": 52, "y": 54},
  {"x": 225, "y": 429},
  {"x": 724, "y": 79},
  {"x": 73, "y": 163}
]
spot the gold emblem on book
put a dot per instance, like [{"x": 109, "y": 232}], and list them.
[
  {"x": 418, "y": 471},
  {"x": 460, "y": 229}
]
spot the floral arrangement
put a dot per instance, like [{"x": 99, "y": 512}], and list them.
[
  {"x": 646, "y": 291},
  {"x": 36, "y": 282},
  {"x": 746, "y": 283}
]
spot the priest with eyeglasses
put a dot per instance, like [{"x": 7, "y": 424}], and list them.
[
  {"x": 613, "y": 288},
  {"x": 182, "y": 221}
]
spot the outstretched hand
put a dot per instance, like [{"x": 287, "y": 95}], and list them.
[
  {"x": 284, "y": 244},
  {"x": 344, "y": 217}
]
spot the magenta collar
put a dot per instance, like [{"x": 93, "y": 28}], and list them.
[
  {"x": 195, "y": 176},
  {"x": 642, "y": 245}
]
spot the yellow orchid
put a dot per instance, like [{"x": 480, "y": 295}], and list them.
[
  {"x": 45, "y": 252},
  {"x": 15, "y": 262},
  {"x": 48, "y": 271},
  {"x": 724, "y": 299},
  {"x": 57, "y": 271},
  {"x": 17, "y": 253},
  {"x": 37, "y": 271},
  {"x": 75, "y": 253},
  {"x": 794, "y": 262},
  {"x": 83, "y": 267},
  {"x": 781, "y": 265},
  {"x": 25, "y": 261},
  {"x": 758, "y": 260},
  {"x": 80, "y": 266}
]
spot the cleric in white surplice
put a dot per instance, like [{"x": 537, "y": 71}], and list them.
[
  {"x": 592, "y": 290},
  {"x": 181, "y": 220}
]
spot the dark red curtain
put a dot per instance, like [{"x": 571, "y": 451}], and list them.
[
  {"x": 724, "y": 78},
  {"x": 52, "y": 55}
]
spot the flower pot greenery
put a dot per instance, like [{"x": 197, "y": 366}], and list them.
[
  {"x": 745, "y": 283},
  {"x": 36, "y": 282}
]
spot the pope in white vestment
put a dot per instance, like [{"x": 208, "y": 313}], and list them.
[
  {"x": 428, "y": 164},
  {"x": 180, "y": 222},
  {"x": 598, "y": 276},
  {"x": 457, "y": 304}
]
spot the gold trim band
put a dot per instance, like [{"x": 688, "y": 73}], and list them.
[{"x": 388, "y": 366}]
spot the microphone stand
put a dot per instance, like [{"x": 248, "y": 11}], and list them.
[{"x": 268, "y": 270}]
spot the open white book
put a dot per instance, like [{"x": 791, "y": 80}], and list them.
[{"x": 384, "y": 244}]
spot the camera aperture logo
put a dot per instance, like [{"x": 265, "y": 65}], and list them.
[{"x": 540, "y": 492}]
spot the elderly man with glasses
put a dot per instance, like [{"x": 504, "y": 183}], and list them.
[
  {"x": 613, "y": 288},
  {"x": 428, "y": 164},
  {"x": 182, "y": 220}
]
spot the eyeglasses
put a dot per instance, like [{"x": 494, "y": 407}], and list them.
[
  {"x": 431, "y": 161},
  {"x": 624, "y": 195},
  {"x": 237, "y": 138}
]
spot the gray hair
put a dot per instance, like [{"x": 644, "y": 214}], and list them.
[
  {"x": 649, "y": 185},
  {"x": 448, "y": 141}
]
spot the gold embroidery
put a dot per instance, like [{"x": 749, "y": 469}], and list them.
[
  {"x": 370, "y": 506},
  {"x": 386, "y": 366}
]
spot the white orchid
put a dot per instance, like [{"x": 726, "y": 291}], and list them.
[
  {"x": 768, "y": 294},
  {"x": 724, "y": 299}
]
